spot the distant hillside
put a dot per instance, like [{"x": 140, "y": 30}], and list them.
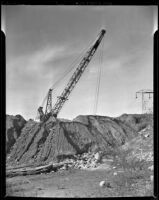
[{"x": 137, "y": 121}]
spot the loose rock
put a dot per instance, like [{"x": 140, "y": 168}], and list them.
[
  {"x": 151, "y": 167},
  {"x": 151, "y": 177},
  {"x": 102, "y": 183}
]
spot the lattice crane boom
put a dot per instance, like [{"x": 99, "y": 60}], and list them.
[
  {"x": 74, "y": 79},
  {"x": 76, "y": 75}
]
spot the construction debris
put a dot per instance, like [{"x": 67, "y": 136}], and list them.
[
  {"x": 87, "y": 160},
  {"x": 84, "y": 161}
]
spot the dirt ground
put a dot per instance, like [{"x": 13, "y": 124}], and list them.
[
  {"x": 81, "y": 183},
  {"x": 126, "y": 171}
]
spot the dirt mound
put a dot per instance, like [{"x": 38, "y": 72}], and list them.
[
  {"x": 14, "y": 125},
  {"x": 53, "y": 140},
  {"x": 137, "y": 121},
  {"x": 141, "y": 147}
]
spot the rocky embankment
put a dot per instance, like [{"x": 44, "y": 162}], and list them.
[
  {"x": 14, "y": 125},
  {"x": 55, "y": 141}
]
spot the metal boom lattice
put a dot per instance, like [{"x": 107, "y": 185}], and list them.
[
  {"x": 71, "y": 84},
  {"x": 76, "y": 75}
]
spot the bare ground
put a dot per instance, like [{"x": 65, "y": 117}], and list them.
[
  {"x": 83, "y": 183},
  {"x": 127, "y": 171}
]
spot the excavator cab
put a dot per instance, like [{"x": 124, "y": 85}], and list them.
[
  {"x": 55, "y": 115},
  {"x": 41, "y": 113}
]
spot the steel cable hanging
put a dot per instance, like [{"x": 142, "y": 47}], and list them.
[
  {"x": 71, "y": 67},
  {"x": 98, "y": 79},
  {"x": 45, "y": 115}
]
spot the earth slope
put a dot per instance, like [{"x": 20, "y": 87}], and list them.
[
  {"x": 54, "y": 140},
  {"x": 14, "y": 125}
]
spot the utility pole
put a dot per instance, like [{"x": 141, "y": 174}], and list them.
[{"x": 146, "y": 96}]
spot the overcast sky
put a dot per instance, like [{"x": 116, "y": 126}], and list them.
[{"x": 42, "y": 42}]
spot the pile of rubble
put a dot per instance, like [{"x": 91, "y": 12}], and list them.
[{"x": 84, "y": 161}]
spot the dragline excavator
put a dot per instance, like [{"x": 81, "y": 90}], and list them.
[{"x": 71, "y": 84}]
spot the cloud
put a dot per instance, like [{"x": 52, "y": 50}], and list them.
[
  {"x": 43, "y": 41},
  {"x": 26, "y": 80},
  {"x": 33, "y": 64}
]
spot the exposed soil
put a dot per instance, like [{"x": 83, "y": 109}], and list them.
[
  {"x": 43, "y": 143},
  {"x": 81, "y": 183},
  {"x": 14, "y": 125},
  {"x": 125, "y": 164}
]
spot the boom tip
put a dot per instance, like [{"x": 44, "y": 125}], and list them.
[{"x": 103, "y": 31}]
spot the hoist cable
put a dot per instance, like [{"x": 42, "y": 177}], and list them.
[
  {"x": 73, "y": 64},
  {"x": 71, "y": 67},
  {"x": 97, "y": 86},
  {"x": 98, "y": 79}
]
